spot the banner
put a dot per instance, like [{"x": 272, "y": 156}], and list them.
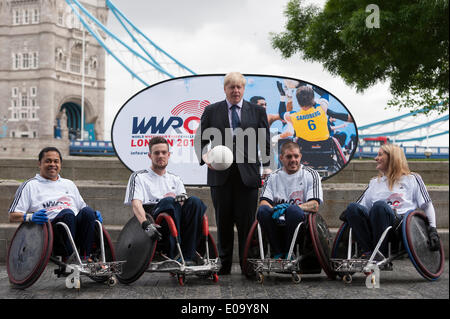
[{"x": 173, "y": 109}]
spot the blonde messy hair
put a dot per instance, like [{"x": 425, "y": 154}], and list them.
[
  {"x": 397, "y": 164},
  {"x": 234, "y": 78}
]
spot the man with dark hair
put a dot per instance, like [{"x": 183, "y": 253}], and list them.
[
  {"x": 288, "y": 193},
  {"x": 49, "y": 197},
  {"x": 157, "y": 191}
]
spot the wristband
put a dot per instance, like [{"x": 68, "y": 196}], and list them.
[{"x": 27, "y": 217}]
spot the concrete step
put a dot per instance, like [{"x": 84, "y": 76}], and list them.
[
  {"x": 108, "y": 198},
  {"x": 7, "y": 232},
  {"x": 111, "y": 169}
]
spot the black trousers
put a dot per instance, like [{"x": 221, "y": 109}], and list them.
[
  {"x": 82, "y": 229},
  {"x": 234, "y": 204}
]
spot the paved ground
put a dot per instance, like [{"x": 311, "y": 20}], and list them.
[
  {"x": 233, "y": 296},
  {"x": 404, "y": 282}
]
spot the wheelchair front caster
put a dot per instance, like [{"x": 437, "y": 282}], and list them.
[{"x": 296, "y": 278}]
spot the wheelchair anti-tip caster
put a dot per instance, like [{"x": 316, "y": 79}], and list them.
[
  {"x": 347, "y": 278},
  {"x": 112, "y": 281},
  {"x": 181, "y": 280},
  {"x": 296, "y": 278},
  {"x": 260, "y": 277}
]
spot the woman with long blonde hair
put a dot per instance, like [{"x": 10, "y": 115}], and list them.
[{"x": 390, "y": 195}]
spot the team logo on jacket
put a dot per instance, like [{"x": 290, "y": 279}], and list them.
[{"x": 395, "y": 200}]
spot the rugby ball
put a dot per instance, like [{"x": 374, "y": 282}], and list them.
[{"x": 220, "y": 157}]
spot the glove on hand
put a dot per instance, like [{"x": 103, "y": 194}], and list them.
[
  {"x": 40, "y": 217},
  {"x": 435, "y": 243},
  {"x": 151, "y": 230},
  {"x": 98, "y": 215},
  {"x": 279, "y": 209},
  {"x": 181, "y": 198}
]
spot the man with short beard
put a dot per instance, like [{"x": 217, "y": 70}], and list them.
[{"x": 157, "y": 191}]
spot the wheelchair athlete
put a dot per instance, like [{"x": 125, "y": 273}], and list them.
[
  {"x": 49, "y": 197},
  {"x": 165, "y": 193},
  {"x": 288, "y": 193},
  {"x": 387, "y": 198}
]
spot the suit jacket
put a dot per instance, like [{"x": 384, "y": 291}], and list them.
[{"x": 215, "y": 117}]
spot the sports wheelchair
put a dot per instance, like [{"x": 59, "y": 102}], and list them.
[
  {"x": 144, "y": 254},
  {"x": 31, "y": 249},
  {"x": 326, "y": 157},
  {"x": 309, "y": 251},
  {"x": 410, "y": 238}
]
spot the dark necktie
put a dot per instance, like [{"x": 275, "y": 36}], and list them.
[{"x": 235, "y": 121}]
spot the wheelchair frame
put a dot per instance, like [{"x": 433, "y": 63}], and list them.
[
  {"x": 370, "y": 267},
  {"x": 126, "y": 244},
  {"x": 210, "y": 266},
  {"x": 284, "y": 266},
  {"x": 101, "y": 271}
]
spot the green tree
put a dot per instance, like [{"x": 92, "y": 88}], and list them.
[{"x": 409, "y": 48}]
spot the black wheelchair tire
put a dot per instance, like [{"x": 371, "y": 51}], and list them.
[
  {"x": 136, "y": 249},
  {"x": 321, "y": 239},
  {"x": 429, "y": 264},
  {"x": 29, "y": 238}
]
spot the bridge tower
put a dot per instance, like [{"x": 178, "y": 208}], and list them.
[{"x": 42, "y": 71}]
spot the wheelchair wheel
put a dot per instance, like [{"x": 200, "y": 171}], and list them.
[
  {"x": 339, "y": 249},
  {"x": 251, "y": 250},
  {"x": 28, "y": 253},
  {"x": 321, "y": 240},
  {"x": 430, "y": 264},
  {"x": 136, "y": 248},
  {"x": 110, "y": 254},
  {"x": 341, "y": 160}
]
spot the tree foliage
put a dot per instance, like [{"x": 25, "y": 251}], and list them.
[{"x": 409, "y": 48}]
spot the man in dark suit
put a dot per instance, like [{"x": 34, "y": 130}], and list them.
[{"x": 243, "y": 127}]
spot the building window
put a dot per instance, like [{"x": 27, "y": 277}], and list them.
[
  {"x": 17, "y": 59},
  {"x": 35, "y": 15},
  {"x": 35, "y": 60},
  {"x": 26, "y": 17},
  {"x": 16, "y": 17},
  {"x": 60, "y": 18},
  {"x": 14, "y": 92},
  {"x": 33, "y": 91},
  {"x": 24, "y": 100},
  {"x": 75, "y": 63},
  {"x": 25, "y": 61}
]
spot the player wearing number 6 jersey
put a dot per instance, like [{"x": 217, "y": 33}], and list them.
[{"x": 310, "y": 123}]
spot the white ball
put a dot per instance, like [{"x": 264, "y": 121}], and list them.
[{"x": 220, "y": 157}]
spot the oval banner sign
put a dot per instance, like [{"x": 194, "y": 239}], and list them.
[{"x": 323, "y": 127}]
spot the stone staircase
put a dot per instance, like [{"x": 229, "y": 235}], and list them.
[{"x": 102, "y": 183}]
